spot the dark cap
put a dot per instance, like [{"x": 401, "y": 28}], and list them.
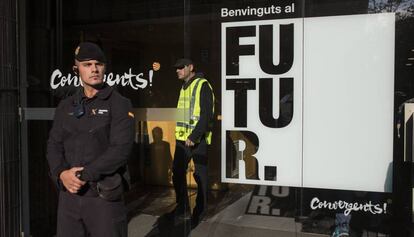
[
  {"x": 89, "y": 51},
  {"x": 183, "y": 62}
]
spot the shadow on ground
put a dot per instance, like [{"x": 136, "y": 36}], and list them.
[{"x": 167, "y": 226}]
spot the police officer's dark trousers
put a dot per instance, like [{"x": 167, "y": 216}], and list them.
[
  {"x": 83, "y": 216},
  {"x": 182, "y": 157}
]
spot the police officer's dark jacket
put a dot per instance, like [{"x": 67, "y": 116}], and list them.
[{"x": 100, "y": 140}]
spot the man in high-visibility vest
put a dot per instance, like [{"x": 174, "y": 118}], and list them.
[{"x": 193, "y": 135}]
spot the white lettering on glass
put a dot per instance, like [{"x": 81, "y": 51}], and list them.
[
  {"x": 135, "y": 81},
  {"x": 348, "y": 206}
]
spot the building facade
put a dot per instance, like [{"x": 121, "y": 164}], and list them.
[{"x": 313, "y": 126}]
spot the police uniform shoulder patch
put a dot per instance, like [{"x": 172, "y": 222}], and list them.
[{"x": 103, "y": 111}]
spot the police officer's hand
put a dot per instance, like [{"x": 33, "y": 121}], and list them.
[
  {"x": 70, "y": 181},
  {"x": 188, "y": 142}
]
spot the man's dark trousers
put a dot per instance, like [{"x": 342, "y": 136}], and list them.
[
  {"x": 82, "y": 216},
  {"x": 182, "y": 157}
]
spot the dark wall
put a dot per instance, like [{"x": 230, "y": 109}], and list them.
[
  {"x": 9, "y": 140},
  {"x": 43, "y": 55}
]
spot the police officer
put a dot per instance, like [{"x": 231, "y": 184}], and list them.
[
  {"x": 89, "y": 143},
  {"x": 193, "y": 136}
]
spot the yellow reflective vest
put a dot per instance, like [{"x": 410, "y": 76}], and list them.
[{"x": 189, "y": 102}]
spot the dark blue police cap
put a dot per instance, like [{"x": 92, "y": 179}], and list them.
[
  {"x": 182, "y": 62},
  {"x": 89, "y": 51}
]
